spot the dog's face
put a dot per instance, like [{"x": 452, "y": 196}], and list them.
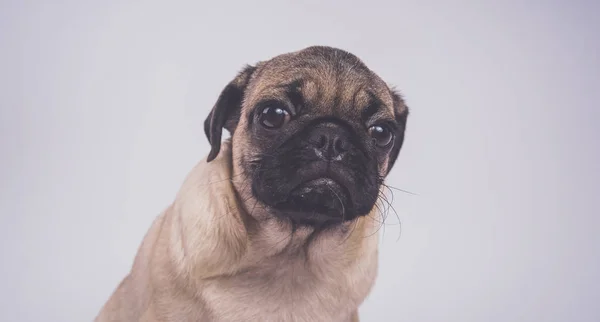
[{"x": 314, "y": 133}]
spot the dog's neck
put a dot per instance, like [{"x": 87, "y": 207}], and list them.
[{"x": 212, "y": 206}]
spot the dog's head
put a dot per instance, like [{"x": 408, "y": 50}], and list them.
[{"x": 314, "y": 133}]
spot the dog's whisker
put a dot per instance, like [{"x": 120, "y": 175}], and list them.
[
  {"x": 392, "y": 208},
  {"x": 385, "y": 201},
  {"x": 350, "y": 232},
  {"x": 400, "y": 190}
]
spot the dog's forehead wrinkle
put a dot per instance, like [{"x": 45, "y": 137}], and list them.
[{"x": 334, "y": 79}]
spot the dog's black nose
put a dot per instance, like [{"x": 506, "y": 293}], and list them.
[{"x": 329, "y": 141}]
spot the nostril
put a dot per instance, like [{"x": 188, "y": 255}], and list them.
[
  {"x": 322, "y": 142},
  {"x": 339, "y": 145}
]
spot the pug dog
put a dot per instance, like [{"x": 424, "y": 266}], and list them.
[{"x": 280, "y": 222}]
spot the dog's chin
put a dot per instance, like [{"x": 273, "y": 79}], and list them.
[{"x": 319, "y": 202}]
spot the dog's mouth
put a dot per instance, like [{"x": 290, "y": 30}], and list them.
[
  {"x": 325, "y": 187},
  {"x": 315, "y": 193},
  {"x": 319, "y": 200}
]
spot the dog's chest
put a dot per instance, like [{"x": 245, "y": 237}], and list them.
[{"x": 290, "y": 289}]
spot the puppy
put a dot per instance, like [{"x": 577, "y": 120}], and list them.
[{"x": 280, "y": 222}]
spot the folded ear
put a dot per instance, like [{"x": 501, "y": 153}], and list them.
[
  {"x": 226, "y": 111},
  {"x": 401, "y": 115}
]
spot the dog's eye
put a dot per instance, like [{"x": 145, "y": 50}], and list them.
[
  {"x": 381, "y": 135},
  {"x": 274, "y": 117}
]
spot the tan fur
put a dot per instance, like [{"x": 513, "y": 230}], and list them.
[
  {"x": 201, "y": 262},
  {"x": 217, "y": 255}
]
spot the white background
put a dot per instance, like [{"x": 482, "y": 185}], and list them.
[{"x": 102, "y": 107}]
